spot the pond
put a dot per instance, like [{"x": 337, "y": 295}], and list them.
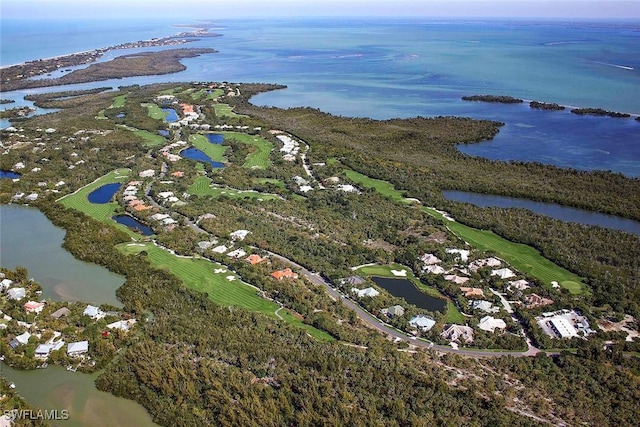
[
  {"x": 404, "y": 288},
  {"x": 195, "y": 154},
  {"x": 29, "y": 239},
  {"x": 120, "y": 116},
  {"x": 215, "y": 138},
  {"x": 102, "y": 195},
  {"x": 171, "y": 115},
  {"x": 133, "y": 224},
  {"x": 55, "y": 388},
  {"x": 552, "y": 210},
  {"x": 6, "y": 174},
  {"x": 164, "y": 133}
]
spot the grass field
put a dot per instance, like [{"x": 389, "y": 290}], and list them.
[
  {"x": 154, "y": 111},
  {"x": 214, "y": 151},
  {"x": 215, "y": 94},
  {"x": 274, "y": 181},
  {"x": 101, "y": 212},
  {"x": 202, "y": 186},
  {"x": 223, "y": 110},
  {"x": 452, "y": 314},
  {"x": 171, "y": 91},
  {"x": 212, "y": 278},
  {"x": 197, "y": 95},
  {"x": 150, "y": 139},
  {"x": 521, "y": 257},
  {"x": 119, "y": 101},
  {"x": 259, "y": 158}
]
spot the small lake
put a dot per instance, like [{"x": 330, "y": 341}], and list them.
[
  {"x": 552, "y": 210},
  {"x": 404, "y": 288},
  {"x": 133, "y": 224},
  {"x": 164, "y": 133},
  {"x": 6, "y": 174},
  {"x": 120, "y": 116},
  {"x": 171, "y": 115},
  {"x": 215, "y": 138},
  {"x": 29, "y": 239},
  {"x": 102, "y": 195},
  {"x": 195, "y": 154},
  {"x": 55, "y": 388}
]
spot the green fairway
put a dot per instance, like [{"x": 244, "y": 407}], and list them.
[
  {"x": 150, "y": 139},
  {"x": 215, "y": 94},
  {"x": 203, "y": 186},
  {"x": 259, "y": 158},
  {"x": 521, "y": 257},
  {"x": 154, "y": 111},
  {"x": 214, "y": 151},
  {"x": 196, "y": 96},
  {"x": 452, "y": 314},
  {"x": 119, "y": 101},
  {"x": 274, "y": 181},
  {"x": 223, "y": 110},
  {"x": 214, "y": 280},
  {"x": 99, "y": 211},
  {"x": 171, "y": 91}
]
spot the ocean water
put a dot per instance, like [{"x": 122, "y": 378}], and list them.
[{"x": 387, "y": 68}]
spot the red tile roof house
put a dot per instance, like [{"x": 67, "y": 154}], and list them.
[
  {"x": 254, "y": 259},
  {"x": 33, "y": 306},
  {"x": 284, "y": 274}
]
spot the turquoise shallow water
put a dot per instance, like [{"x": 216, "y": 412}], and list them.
[{"x": 416, "y": 67}]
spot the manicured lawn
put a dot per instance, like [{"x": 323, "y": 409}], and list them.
[
  {"x": 202, "y": 186},
  {"x": 154, "y": 111},
  {"x": 273, "y": 181},
  {"x": 171, "y": 91},
  {"x": 521, "y": 257},
  {"x": 259, "y": 158},
  {"x": 198, "y": 94},
  {"x": 215, "y": 94},
  {"x": 214, "y": 151},
  {"x": 119, "y": 101},
  {"x": 100, "y": 211},
  {"x": 225, "y": 110},
  {"x": 200, "y": 274},
  {"x": 150, "y": 139}
]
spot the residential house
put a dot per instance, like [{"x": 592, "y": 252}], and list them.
[
  {"x": 43, "y": 350},
  {"x": 503, "y": 273},
  {"x": 430, "y": 259},
  {"x": 368, "y": 292},
  {"x": 422, "y": 322},
  {"x": 64, "y": 311},
  {"x": 535, "y": 300},
  {"x": 487, "y": 262},
  {"x": 490, "y": 324},
  {"x": 472, "y": 292},
  {"x": 220, "y": 249},
  {"x": 483, "y": 305},
  {"x": 33, "y": 306},
  {"x": 284, "y": 274},
  {"x": 459, "y": 280},
  {"x": 433, "y": 269},
  {"x": 93, "y": 312},
  {"x": 77, "y": 348},
  {"x": 123, "y": 325},
  {"x": 239, "y": 234},
  {"x": 21, "y": 339},
  {"x": 16, "y": 293},
  {"x": 352, "y": 280},
  {"x": 5, "y": 284},
  {"x": 462, "y": 254},
  {"x": 393, "y": 311},
  {"x": 458, "y": 333},
  {"x": 238, "y": 253},
  {"x": 254, "y": 259},
  {"x": 520, "y": 285}
]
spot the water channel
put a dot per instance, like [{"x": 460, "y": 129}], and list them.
[{"x": 553, "y": 210}]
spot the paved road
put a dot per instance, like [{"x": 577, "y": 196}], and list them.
[{"x": 388, "y": 330}]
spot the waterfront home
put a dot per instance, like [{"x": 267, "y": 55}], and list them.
[
  {"x": 483, "y": 305},
  {"x": 77, "y": 348},
  {"x": 64, "y": 311},
  {"x": 16, "y": 293},
  {"x": 43, "y": 350},
  {"x": 368, "y": 292},
  {"x": 422, "y": 322},
  {"x": 393, "y": 311},
  {"x": 503, "y": 273},
  {"x": 94, "y": 312},
  {"x": 284, "y": 274},
  {"x": 458, "y": 333},
  {"x": 5, "y": 284},
  {"x": 21, "y": 339},
  {"x": 490, "y": 324},
  {"x": 352, "y": 280},
  {"x": 33, "y": 306}
]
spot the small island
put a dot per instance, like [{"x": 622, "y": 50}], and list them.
[
  {"x": 493, "y": 98},
  {"x": 551, "y": 106},
  {"x": 599, "y": 112}
]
